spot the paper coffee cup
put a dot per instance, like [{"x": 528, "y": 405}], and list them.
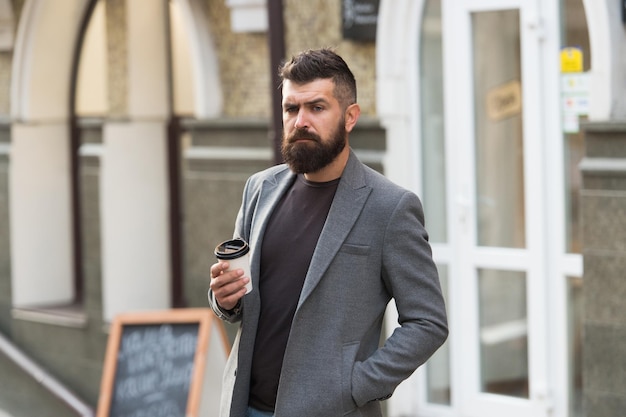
[{"x": 236, "y": 252}]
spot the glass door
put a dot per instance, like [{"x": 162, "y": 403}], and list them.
[{"x": 496, "y": 197}]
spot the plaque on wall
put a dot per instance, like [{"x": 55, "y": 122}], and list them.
[{"x": 359, "y": 19}]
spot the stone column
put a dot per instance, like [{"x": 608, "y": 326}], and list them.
[
  {"x": 603, "y": 203},
  {"x": 134, "y": 171}
]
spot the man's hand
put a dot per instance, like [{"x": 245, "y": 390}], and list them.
[{"x": 227, "y": 286}]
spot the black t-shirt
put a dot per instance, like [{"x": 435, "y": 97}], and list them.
[{"x": 288, "y": 244}]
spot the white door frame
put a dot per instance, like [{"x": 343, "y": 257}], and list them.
[
  {"x": 398, "y": 90},
  {"x": 458, "y": 53}
]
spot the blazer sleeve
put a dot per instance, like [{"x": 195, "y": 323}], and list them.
[
  {"x": 242, "y": 229},
  {"x": 411, "y": 277}
]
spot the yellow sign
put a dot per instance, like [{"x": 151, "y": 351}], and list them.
[
  {"x": 504, "y": 101},
  {"x": 571, "y": 59}
]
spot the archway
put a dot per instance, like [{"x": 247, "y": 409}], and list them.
[{"x": 41, "y": 207}]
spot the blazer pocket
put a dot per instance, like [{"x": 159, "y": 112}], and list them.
[
  {"x": 355, "y": 249},
  {"x": 348, "y": 356}
]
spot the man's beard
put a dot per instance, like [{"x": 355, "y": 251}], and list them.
[{"x": 313, "y": 154}]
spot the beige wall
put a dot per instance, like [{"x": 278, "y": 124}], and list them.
[
  {"x": 244, "y": 69},
  {"x": 244, "y": 62},
  {"x": 5, "y": 83},
  {"x": 244, "y": 65},
  {"x": 317, "y": 23}
]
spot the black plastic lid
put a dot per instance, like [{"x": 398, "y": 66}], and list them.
[{"x": 231, "y": 249}]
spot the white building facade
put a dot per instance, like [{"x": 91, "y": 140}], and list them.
[{"x": 482, "y": 101}]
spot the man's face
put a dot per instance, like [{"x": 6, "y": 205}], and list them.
[{"x": 314, "y": 130}]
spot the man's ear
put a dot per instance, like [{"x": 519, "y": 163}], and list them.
[{"x": 352, "y": 115}]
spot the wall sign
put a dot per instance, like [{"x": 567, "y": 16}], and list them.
[
  {"x": 572, "y": 59},
  {"x": 504, "y": 101},
  {"x": 360, "y": 19},
  {"x": 575, "y": 88},
  {"x": 163, "y": 364}
]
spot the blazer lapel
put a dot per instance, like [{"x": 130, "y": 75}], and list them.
[
  {"x": 271, "y": 192},
  {"x": 349, "y": 200}
]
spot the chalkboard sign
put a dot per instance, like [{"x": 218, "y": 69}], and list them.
[
  {"x": 360, "y": 18},
  {"x": 157, "y": 363}
]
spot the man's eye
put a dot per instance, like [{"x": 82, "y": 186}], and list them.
[
  {"x": 291, "y": 109},
  {"x": 318, "y": 108}
]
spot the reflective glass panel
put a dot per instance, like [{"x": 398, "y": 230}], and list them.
[
  {"x": 503, "y": 332},
  {"x": 438, "y": 368},
  {"x": 574, "y": 34},
  {"x": 432, "y": 122},
  {"x": 499, "y": 140},
  {"x": 575, "y": 339}
]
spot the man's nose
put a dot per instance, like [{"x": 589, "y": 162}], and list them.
[{"x": 301, "y": 121}]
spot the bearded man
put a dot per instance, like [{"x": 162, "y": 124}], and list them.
[{"x": 332, "y": 242}]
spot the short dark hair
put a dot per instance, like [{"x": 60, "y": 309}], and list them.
[{"x": 314, "y": 64}]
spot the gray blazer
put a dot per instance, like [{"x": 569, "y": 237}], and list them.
[{"x": 373, "y": 247}]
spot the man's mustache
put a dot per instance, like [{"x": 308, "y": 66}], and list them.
[{"x": 303, "y": 134}]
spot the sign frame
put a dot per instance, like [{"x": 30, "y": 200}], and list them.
[{"x": 204, "y": 317}]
